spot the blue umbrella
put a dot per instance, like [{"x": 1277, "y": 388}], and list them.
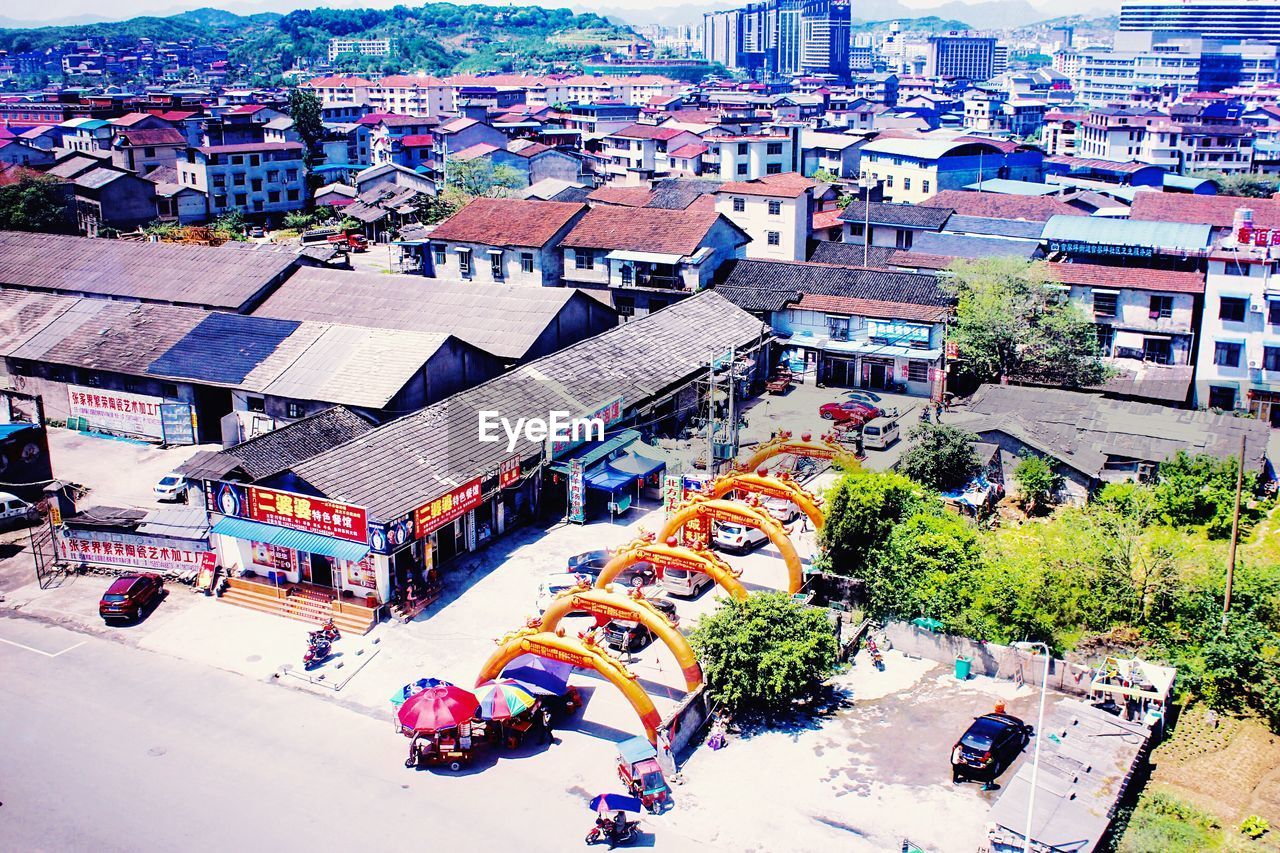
[
  {"x": 615, "y": 803},
  {"x": 539, "y": 675},
  {"x": 400, "y": 696}
]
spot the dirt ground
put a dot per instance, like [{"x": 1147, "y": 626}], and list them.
[{"x": 1231, "y": 769}]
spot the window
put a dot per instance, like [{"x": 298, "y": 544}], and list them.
[
  {"x": 774, "y": 238},
  {"x": 742, "y": 148},
  {"x": 292, "y": 195},
  {"x": 1161, "y": 307},
  {"x": 292, "y": 409},
  {"x": 855, "y": 229},
  {"x": 242, "y": 199},
  {"x": 495, "y": 264},
  {"x": 773, "y": 169},
  {"x": 1104, "y": 304},
  {"x": 1231, "y": 309},
  {"x": 526, "y": 262},
  {"x": 584, "y": 259},
  {"x": 256, "y": 404},
  {"x": 917, "y": 371},
  {"x": 464, "y": 262},
  {"x": 1222, "y": 398},
  {"x": 1106, "y": 337},
  {"x": 888, "y": 181},
  {"x": 1271, "y": 358},
  {"x": 291, "y": 175},
  {"x": 1273, "y": 313},
  {"x": 742, "y": 168},
  {"x": 1226, "y": 355},
  {"x": 626, "y": 305},
  {"x": 1235, "y": 268},
  {"x": 773, "y": 148},
  {"x": 775, "y": 208},
  {"x": 739, "y": 205},
  {"x": 906, "y": 183},
  {"x": 442, "y": 257},
  {"x": 168, "y": 389},
  {"x": 837, "y": 327},
  {"x": 628, "y": 275},
  {"x": 1157, "y": 350}
]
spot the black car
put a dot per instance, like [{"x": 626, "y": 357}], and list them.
[
  {"x": 628, "y": 636},
  {"x": 593, "y": 562},
  {"x": 989, "y": 746}
]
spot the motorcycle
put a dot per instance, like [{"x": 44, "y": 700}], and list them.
[
  {"x": 329, "y": 631},
  {"x": 317, "y": 652},
  {"x": 605, "y": 830}
]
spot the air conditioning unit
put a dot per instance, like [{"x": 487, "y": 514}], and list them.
[
  {"x": 1253, "y": 365},
  {"x": 1256, "y": 307}
]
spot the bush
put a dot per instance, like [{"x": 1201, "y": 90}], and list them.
[
  {"x": 941, "y": 456},
  {"x": 862, "y": 509},
  {"x": 1037, "y": 481},
  {"x": 762, "y": 654},
  {"x": 1255, "y": 827}
]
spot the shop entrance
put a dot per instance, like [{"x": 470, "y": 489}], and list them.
[
  {"x": 842, "y": 372},
  {"x": 875, "y": 375},
  {"x": 320, "y": 570},
  {"x": 1265, "y": 406}
]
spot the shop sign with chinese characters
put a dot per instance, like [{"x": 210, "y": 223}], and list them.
[
  {"x": 430, "y": 517},
  {"x": 577, "y": 492},
  {"x": 140, "y": 552},
  {"x": 116, "y": 411},
  {"x": 288, "y": 509},
  {"x": 509, "y": 472}
]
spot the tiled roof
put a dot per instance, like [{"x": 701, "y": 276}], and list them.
[
  {"x": 642, "y": 229},
  {"x": 223, "y": 348},
  {"x": 338, "y": 81},
  {"x": 850, "y": 255},
  {"x": 158, "y": 136},
  {"x": 993, "y": 226},
  {"x": 682, "y": 193},
  {"x": 905, "y": 215},
  {"x": 786, "y": 184},
  {"x": 825, "y": 279},
  {"x": 920, "y": 261},
  {"x": 647, "y": 131},
  {"x": 855, "y": 307},
  {"x": 418, "y": 140},
  {"x": 688, "y": 151},
  {"x": 1001, "y": 205},
  {"x": 228, "y": 277},
  {"x": 625, "y": 196},
  {"x": 507, "y": 222},
  {"x": 471, "y": 152},
  {"x": 250, "y": 148},
  {"x": 397, "y": 120},
  {"x": 1094, "y": 164},
  {"x": 963, "y": 246},
  {"x": 408, "y": 81},
  {"x": 1095, "y": 275},
  {"x": 409, "y": 461},
  {"x": 1216, "y": 210},
  {"x": 285, "y": 447},
  {"x": 826, "y": 219}
]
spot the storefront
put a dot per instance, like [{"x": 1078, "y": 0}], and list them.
[
  {"x": 1264, "y": 405},
  {"x": 288, "y": 538},
  {"x": 608, "y": 476},
  {"x": 172, "y": 542}
]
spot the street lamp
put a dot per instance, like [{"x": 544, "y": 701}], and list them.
[{"x": 1035, "y": 762}]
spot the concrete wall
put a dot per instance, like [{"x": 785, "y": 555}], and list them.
[
  {"x": 990, "y": 659},
  {"x": 684, "y": 725}
]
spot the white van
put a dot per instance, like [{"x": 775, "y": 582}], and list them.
[
  {"x": 684, "y": 582},
  {"x": 879, "y": 433},
  {"x": 14, "y": 510}
]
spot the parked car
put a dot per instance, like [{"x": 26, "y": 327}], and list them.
[
  {"x": 781, "y": 510},
  {"x": 555, "y": 584},
  {"x": 14, "y": 511},
  {"x": 988, "y": 747},
  {"x": 129, "y": 596},
  {"x": 628, "y": 636},
  {"x": 879, "y": 433},
  {"x": 171, "y": 487},
  {"x": 740, "y": 538},
  {"x": 685, "y": 582},
  {"x": 849, "y": 410},
  {"x": 858, "y": 395},
  {"x": 593, "y": 562}
]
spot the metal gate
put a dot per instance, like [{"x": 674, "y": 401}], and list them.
[{"x": 51, "y": 570}]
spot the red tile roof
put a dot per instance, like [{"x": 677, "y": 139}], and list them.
[
  {"x": 1095, "y": 275},
  {"x": 871, "y": 308},
  {"x": 786, "y": 184},
  {"x": 408, "y": 81},
  {"x": 337, "y": 81},
  {"x": 1002, "y": 206},
  {"x": 624, "y": 196},
  {"x": 920, "y": 261},
  {"x": 824, "y": 219},
  {"x": 1095, "y": 163},
  {"x": 642, "y": 229},
  {"x": 1215, "y": 210},
  {"x": 157, "y": 136},
  {"x": 688, "y": 151},
  {"x": 418, "y": 140},
  {"x": 647, "y": 131},
  {"x": 507, "y": 222}
]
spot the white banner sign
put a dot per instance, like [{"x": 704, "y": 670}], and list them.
[{"x": 117, "y": 411}]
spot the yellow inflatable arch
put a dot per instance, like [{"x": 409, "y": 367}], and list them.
[
  {"x": 761, "y": 483},
  {"x": 733, "y": 511},
  {"x": 670, "y": 555}
]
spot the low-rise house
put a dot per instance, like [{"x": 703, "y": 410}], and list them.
[
  {"x": 461, "y": 133},
  {"x": 776, "y": 211},
  {"x": 143, "y": 150},
  {"x": 20, "y": 152},
  {"x": 890, "y": 225},
  {"x": 388, "y": 132},
  {"x": 265, "y": 178},
  {"x": 634, "y": 155},
  {"x": 177, "y": 202},
  {"x": 649, "y": 257},
  {"x": 87, "y": 135},
  {"x": 106, "y": 196},
  {"x": 512, "y": 241},
  {"x": 911, "y": 170},
  {"x": 836, "y": 153}
]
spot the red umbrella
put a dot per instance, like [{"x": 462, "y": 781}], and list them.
[{"x": 437, "y": 708}]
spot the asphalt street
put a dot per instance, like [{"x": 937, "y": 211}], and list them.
[{"x": 109, "y": 747}]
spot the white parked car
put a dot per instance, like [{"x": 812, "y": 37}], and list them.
[
  {"x": 684, "y": 582},
  {"x": 731, "y": 536},
  {"x": 171, "y": 487},
  {"x": 555, "y": 584},
  {"x": 14, "y": 510},
  {"x": 782, "y": 510}
]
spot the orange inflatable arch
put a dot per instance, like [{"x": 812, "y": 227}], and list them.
[
  {"x": 670, "y": 555},
  {"x": 773, "y": 487},
  {"x": 733, "y": 511},
  {"x": 580, "y": 653},
  {"x": 823, "y": 448}
]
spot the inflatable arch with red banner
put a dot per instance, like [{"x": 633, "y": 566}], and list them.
[
  {"x": 741, "y": 513},
  {"x": 669, "y": 555},
  {"x": 823, "y": 448},
  {"x": 760, "y": 483}
]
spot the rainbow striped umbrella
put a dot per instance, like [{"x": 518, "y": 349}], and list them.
[{"x": 502, "y": 700}]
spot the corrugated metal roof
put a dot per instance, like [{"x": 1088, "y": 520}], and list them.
[
  {"x": 1176, "y": 236},
  {"x": 298, "y": 540},
  {"x": 223, "y": 349},
  {"x": 178, "y": 522}
]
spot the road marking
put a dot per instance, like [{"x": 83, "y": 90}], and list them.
[{"x": 41, "y": 651}]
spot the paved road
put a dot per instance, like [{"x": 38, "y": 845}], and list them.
[{"x": 108, "y": 747}]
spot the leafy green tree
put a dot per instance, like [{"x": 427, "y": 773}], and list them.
[
  {"x": 36, "y": 203},
  {"x": 862, "y": 509},
  {"x": 479, "y": 177},
  {"x": 232, "y": 224},
  {"x": 1011, "y": 325},
  {"x": 764, "y": 653},
  {"x": 941, "y": 456},
  {"x": 1244, "y": 184},
  {"x": 924, "y": 568},
  {"x": 298, "y": 221},
  {"x": 1194, "y": 490},
  {"x": 1038, "y": 480}
]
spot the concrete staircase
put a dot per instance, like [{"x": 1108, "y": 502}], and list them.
[{"x": 300, "y": 604}]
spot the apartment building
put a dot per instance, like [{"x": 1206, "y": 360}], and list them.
[
  {"x": 265, "y": 178},
  {"x": 964, "y": 55},
  {"x": 407, "y": 94},
  {"x": 1157, "y": 139},
  {"x": 636, "y": 154},
  {"x": 776, "y": 211},
  {"x": 732, "y": 157},
  {"x": 340, "y": 91},
  {"x": 377, "y": 47}
]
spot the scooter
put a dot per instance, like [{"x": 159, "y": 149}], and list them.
[
  {"x": 329, "y": 631},
  {"x": 317, "y": 652},
  {"x": 604, "y": 831}
]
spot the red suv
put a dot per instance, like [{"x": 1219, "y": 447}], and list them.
[
  {"x": 849, "y": 410},
  {"x": 128, "y": 596}
]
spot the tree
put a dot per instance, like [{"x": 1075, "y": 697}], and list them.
[
  {"x": 1037, "y": 480},
  {"x": 304, "y": 109},
  {"x": 924, "y": 567},
  {"x": 479, "y": 177},
  {"x": 764, "y": 653},
  {"x": 1011, "y": 325},
  {"x": 862, "y": 508},
  {"x": 1194, "y": 490},
  {"x": 941, "y": 456},
  {"x": 36, "y": 203},
  {"x": 1245, "y": 184}
]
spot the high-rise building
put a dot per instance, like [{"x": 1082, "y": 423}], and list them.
[
  {"x": 722, "y": 37},
  {"x": 786, "y": 35},
  {"x": 1155, "y": 62},
  {"x": 1219, "y": 19},
  {"x": 824, "y": 37},
  {"x": 961, "y": 55}
]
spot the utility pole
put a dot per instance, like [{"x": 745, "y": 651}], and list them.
[
  {"x": 731, "y": 434},
  {"x": 866, "y": 223},
  {"x": 711, "y": 414},
  {"x": 1235, "y": 536}
]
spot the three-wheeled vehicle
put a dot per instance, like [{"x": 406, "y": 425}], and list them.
[
  {"x": 451, "y": 747},
  {"x": 780, "y": 382},
  {"x": 639, "y": 771}
]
